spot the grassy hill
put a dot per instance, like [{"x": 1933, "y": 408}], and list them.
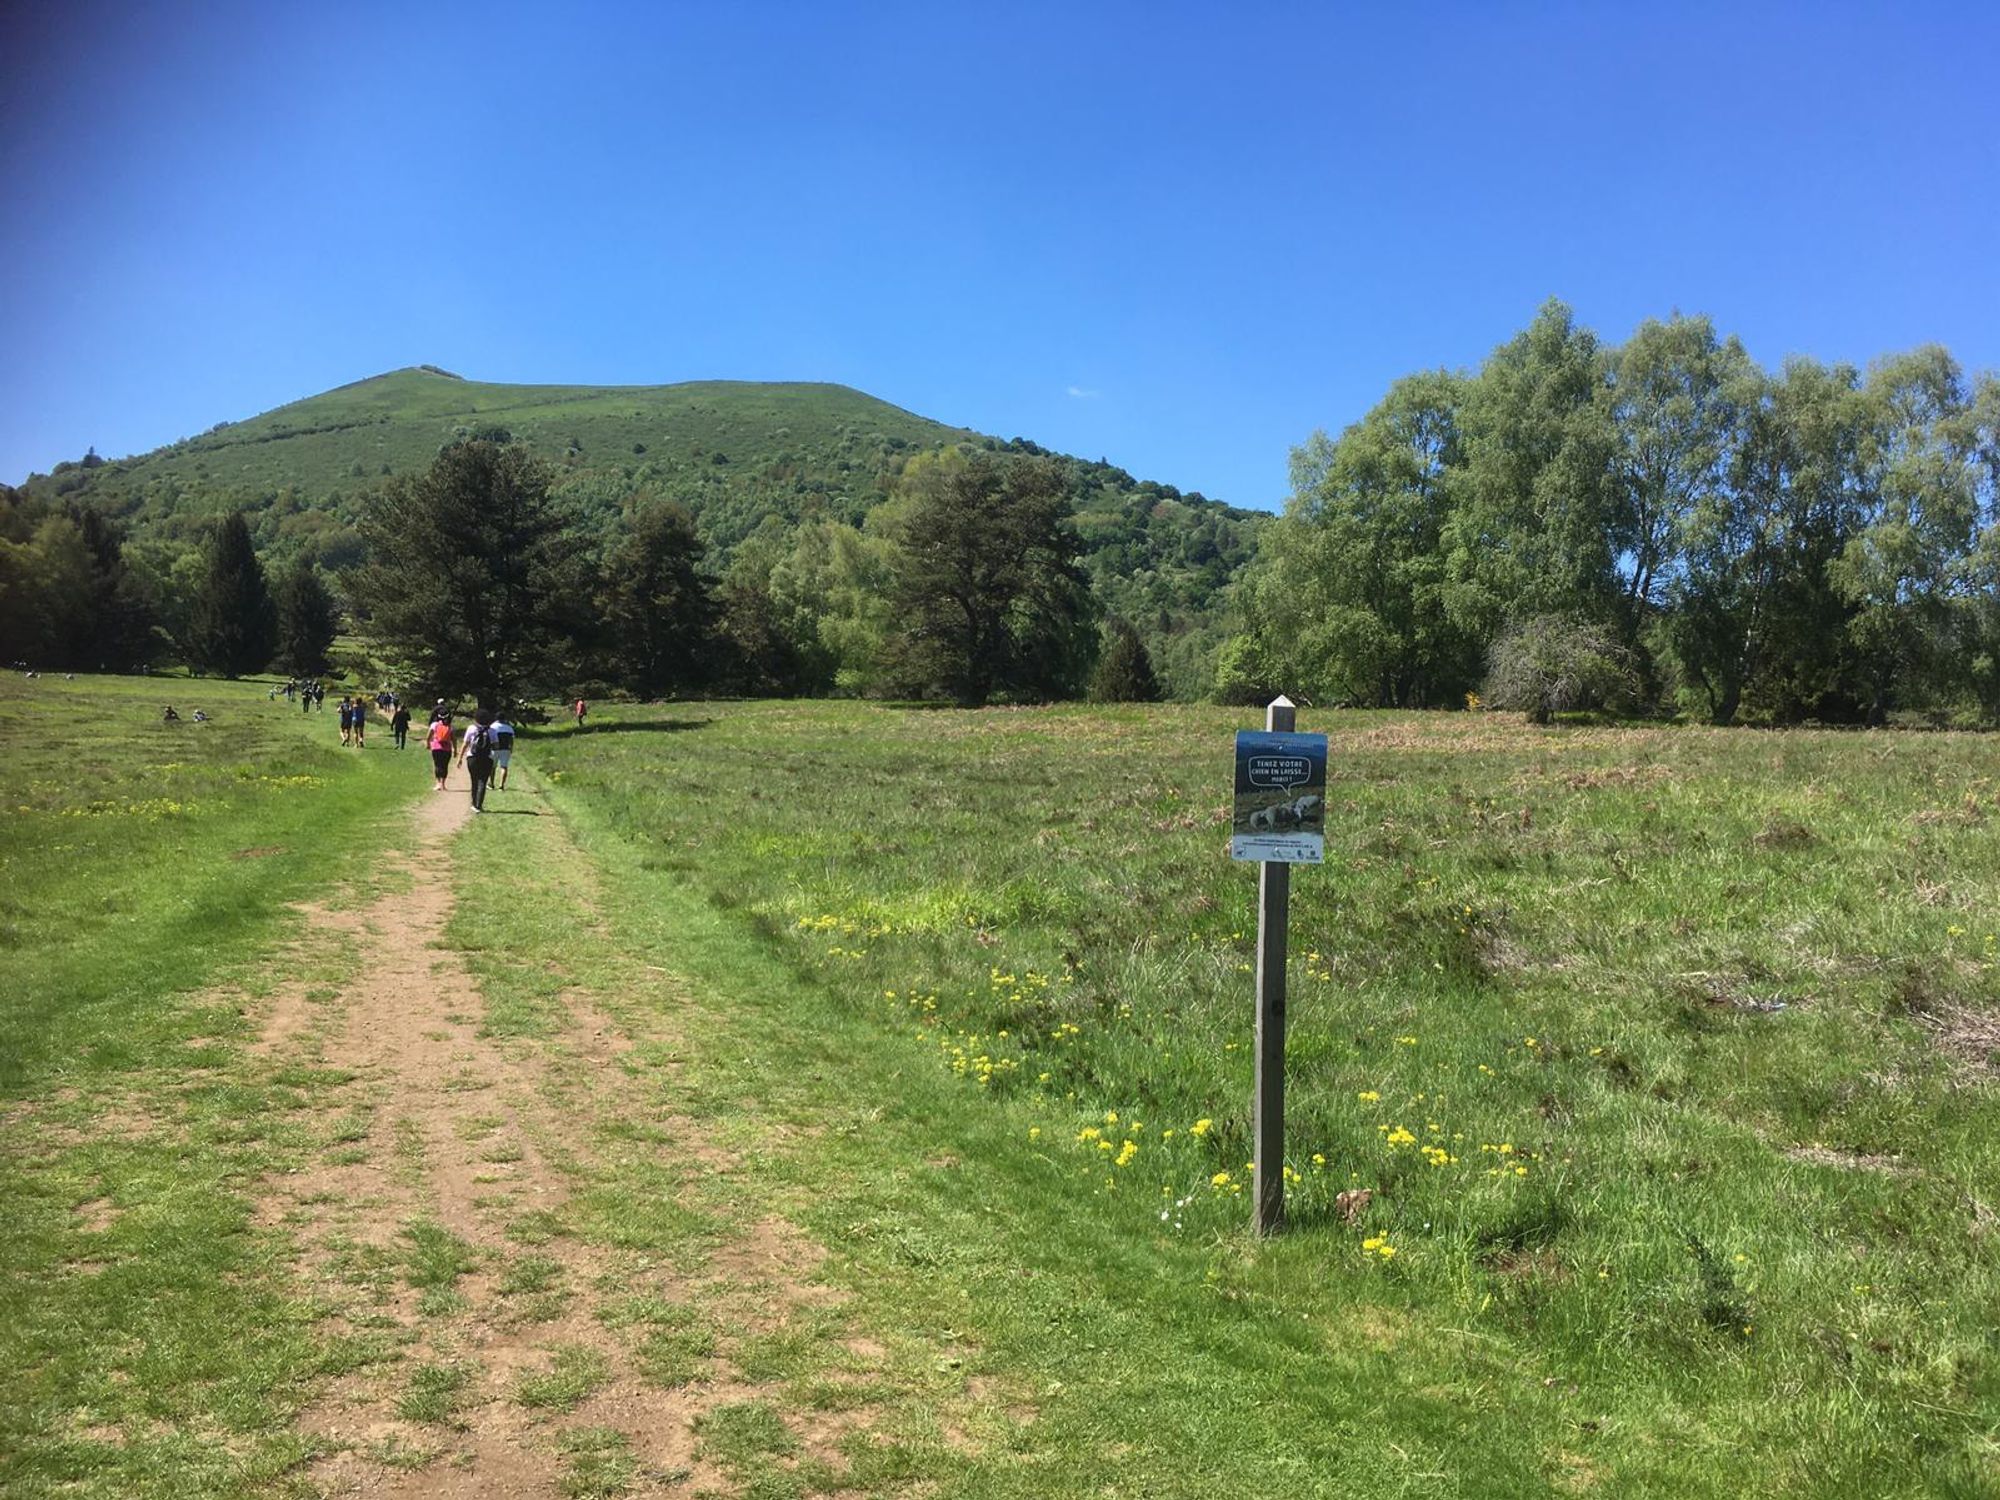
[
  {"x": 740, "y": 455},
  {"x": 323, "y": 453}
]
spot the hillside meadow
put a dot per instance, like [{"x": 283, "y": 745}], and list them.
[{"x": 1656, "y": 1064}]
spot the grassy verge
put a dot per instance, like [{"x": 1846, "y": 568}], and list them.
[
  {"x": 147, "y": 1336},
  {"x": 1658, "y": 1053}
]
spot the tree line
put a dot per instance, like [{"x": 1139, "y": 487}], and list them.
[
  {"x": 71, "y": 599},
  {"x": 964, "y": 586},
  {"x": 484, "y": 580},
  {"x": 806, "y": 603},
  {"x": 1661, "y": 525}
]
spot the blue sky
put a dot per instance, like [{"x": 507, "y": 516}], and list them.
[{"x": 1180, "y": 237}]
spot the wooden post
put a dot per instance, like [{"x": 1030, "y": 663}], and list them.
[{"x": 1267, "y": 1113}]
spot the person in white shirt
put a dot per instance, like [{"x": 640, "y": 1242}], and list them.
[{"x": 503, "y": 749}]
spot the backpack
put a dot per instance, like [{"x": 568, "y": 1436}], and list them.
[{"x": 478, "y": 743}]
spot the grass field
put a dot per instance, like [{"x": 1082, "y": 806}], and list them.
[
  {"x": 144, "y": 874},
  {"x": 1663, "y": 1057}
]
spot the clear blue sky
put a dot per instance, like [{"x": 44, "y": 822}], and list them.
[{"x": 1177, "y": 236}]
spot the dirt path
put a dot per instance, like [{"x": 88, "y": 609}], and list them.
[{"x": 492, "y": 1348}]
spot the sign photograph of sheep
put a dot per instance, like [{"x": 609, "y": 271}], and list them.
[{"x": 1280, "y": 798}]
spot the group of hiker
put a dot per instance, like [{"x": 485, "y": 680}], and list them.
[
  {"x": 353, "y": 722},
  {"x": 485, "y": 748}
]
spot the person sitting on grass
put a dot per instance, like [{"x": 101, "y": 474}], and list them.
[{"x": 169, "y": 717}]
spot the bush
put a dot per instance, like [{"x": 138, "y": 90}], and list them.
[
  {"x": 1552, "y": 664},
  {"x": 1243, "y": 677}
]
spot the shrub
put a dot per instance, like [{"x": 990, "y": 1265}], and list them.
[
  {"x": 1553, "y": 664},
  {"x": 1243, "y": 676}
]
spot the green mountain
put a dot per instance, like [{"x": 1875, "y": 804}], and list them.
[{"x": 744, "y": 457}]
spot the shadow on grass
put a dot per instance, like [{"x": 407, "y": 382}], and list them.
[{"x": 653, "y": 726}]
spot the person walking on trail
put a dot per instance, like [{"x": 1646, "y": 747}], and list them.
[
  {"x": 360, "y": 710},
  {"x": 399, "y": 725},
  {"x": 439, "y": 740},
  {"x": 475, "y": 753},
  {"x": 346, "y": 722},
  {"x": 580, "y": 710},
  {"x": 503, "y": 748}
]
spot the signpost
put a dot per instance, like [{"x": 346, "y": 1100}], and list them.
[{"x": 1280, "y": 821}]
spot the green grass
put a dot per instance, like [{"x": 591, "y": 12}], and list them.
[
  {"x": 434, "y": 1393},
  {"x": 1717, "y": 1005},
  {"x": 433, "y": 1260},
  {"x": 575, "y": 1370},
  {"x": 674, "y": 1357},
  {"x": 1707, "y": 1193},
  {"x": 597, "y": 1463},
  {"x": 741, "y": 1435},
  {"x": 149, "y": 1337}
]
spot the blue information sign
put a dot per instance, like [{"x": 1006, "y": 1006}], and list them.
[{"x": 1280, "y": 798}]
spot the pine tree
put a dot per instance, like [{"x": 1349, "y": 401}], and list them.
[
  {"x": 990, "y": 596},
  {"x": 655, "y": 607},
  {"x": 474, "y": 577},
  {"x": 307, "y": 621},
  {"x": 1124, "y": 670},
  {"x": 232, "y": 627}
]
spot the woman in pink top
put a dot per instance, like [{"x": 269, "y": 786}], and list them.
[{"x": 440, "y": 742}]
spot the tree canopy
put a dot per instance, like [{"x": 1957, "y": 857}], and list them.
[
  {"x": 474, "y": 577},
  {"x": 307, "y": 620},
  {"x": 1818, "y": 543},
  {"x": 989, "y": 595},
  {"x": 232, "y": 625}
]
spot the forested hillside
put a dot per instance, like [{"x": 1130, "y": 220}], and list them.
[{"x": 784, "y": 468}]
